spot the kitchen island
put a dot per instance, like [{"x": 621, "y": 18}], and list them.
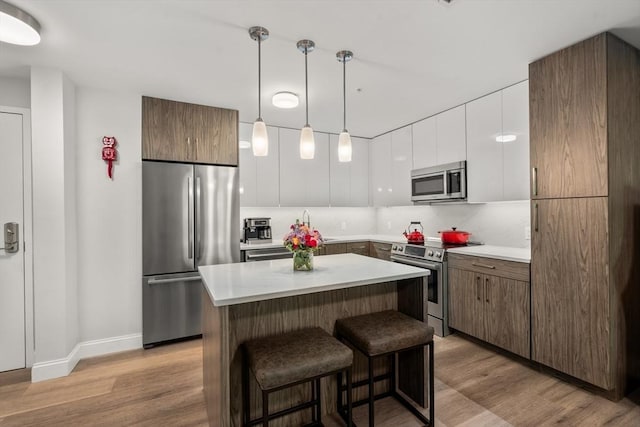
[{"x": 250, "y": 300}]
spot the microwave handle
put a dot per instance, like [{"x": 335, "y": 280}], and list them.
[{"x": 445, "y": 175}]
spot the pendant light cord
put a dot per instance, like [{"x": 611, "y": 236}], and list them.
[
  {"x": 306, "y": 88},
  {"x": 259, "y": 77},
  {"x": 344, "y": 93}
]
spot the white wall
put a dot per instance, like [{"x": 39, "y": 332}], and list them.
[
  {"x": 15, "y": 92},
  {"x": 500, "y": 223},
  {"x": 55, "y": 320},
  {"x": 109, "y": 216},
  {"x": 327, "y": 220}
]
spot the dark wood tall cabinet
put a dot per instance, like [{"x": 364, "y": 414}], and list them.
[
  {"x": 585, "y": 161},
  {"x": 183, "y": 132}
]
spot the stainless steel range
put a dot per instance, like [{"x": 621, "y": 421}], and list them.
[{"x": 433, "y": 257}]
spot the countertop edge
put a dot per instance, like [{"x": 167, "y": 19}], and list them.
[{"x": 495, "y": 252}]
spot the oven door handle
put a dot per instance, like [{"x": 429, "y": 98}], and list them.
[{"x": 428, "y": 265}]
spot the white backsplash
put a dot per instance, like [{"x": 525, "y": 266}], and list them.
[
  {"x": 499, "y": 223},
  {"x": 329, "y": 221}
]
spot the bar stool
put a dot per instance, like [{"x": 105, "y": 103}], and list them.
[
  {"x": 384, "y": 334},
  {"x": 292, "y": 358}
]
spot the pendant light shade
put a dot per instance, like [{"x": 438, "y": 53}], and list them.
[
  {"x": 17, "y": 26},
  {"x": 344, "y": 140},
  {"x": 307, "y": 143},
  {"x": 260, "y": 138},
  {"x": 344, "y": 147}
]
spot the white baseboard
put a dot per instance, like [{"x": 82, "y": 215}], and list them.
[{"x": 42, "y": 371}]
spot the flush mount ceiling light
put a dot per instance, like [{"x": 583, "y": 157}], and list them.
[
  {"x": 307, "y": 143},
  {"x": 344, "y": 140},
  {"x": 259, "y": 138},
  {"x": 17, "y": 26},
  {"x": 285, "y": 100},
  {"x": 507, "y": 137}
]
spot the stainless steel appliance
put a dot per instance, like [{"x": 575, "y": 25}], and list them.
[
  {"x": 433, "y": 257},
  {"x": 256, "y": 230},
  {"x": 264, "y": 254},
  {"x": 190, "y": 217},
  {"x": 439, "y": 183}
]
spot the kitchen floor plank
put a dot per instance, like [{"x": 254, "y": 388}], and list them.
[{"x": 163, "y": 386}]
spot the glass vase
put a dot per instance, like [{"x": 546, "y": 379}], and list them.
[{"x": 303, "y": 260}]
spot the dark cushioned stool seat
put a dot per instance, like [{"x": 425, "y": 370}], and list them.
[
  {"x": 384, "y": 332},
  {"x": 295, "y": 356}
]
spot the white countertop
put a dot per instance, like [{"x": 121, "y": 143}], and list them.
[
  {"x": 497, "y": 252},
  {"x": 230, "y": 284},
  {"x": 380, "y": 238}
]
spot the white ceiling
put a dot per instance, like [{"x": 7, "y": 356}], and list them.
[{"x": 413, "y": 58}]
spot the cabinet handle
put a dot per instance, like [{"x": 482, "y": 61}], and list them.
[
  {"x": 477, "y": 264},
  {"x": 535, "y": 217},
  {"x": 188, "y": 141},
  {"x": 486, "y": 289},
  {"x": 534, "y": 180},
  {"x": 478, "y": 291}
]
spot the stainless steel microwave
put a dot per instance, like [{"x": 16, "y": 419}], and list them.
[{"x": 439, "y": 183}]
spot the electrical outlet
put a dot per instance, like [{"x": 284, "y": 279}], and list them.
[
  {"x": 527, "y": 233},
  {"x": 389, "y": 225},
  {"x": 343, "y": 225}
]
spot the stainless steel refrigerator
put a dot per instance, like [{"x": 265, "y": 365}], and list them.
[{"x": 190, "y": 217}]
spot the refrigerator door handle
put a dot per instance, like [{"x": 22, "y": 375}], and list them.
[
  {"x": 198, "y": 218},
  {"x": 190, "y": 218}
]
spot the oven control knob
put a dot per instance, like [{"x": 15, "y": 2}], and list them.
[
  {"x": 438, "y": 254},
  {"x": 430, "y": 253}
]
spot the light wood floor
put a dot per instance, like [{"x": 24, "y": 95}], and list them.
[{"x": 163, "y": 387}]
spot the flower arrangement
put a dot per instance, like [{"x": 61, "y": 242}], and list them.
[{"x": 302, "y": 241}]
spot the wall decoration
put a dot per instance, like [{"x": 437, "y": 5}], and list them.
[{"x": 109, "y": 153}]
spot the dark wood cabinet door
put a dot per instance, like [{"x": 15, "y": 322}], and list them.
[
  {"x": 570, "y": 288},
  {"x": 165, "y": 131},
  {"x": 380, "y": 250},
  {"x": 360, "y": 248},
  {"x": 568, "y": 122},
  {"x": 216, "y": 135},
  {"x": 466, "y": 302},
  {"x": 507, "y": 314}
]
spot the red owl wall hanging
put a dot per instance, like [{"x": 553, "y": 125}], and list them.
[{"x": 109, "y": 153}]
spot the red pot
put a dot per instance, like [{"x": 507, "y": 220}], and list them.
[{"x": 455, "y": 237}]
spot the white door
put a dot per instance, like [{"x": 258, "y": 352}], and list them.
[{"x": 12, "y": 265}]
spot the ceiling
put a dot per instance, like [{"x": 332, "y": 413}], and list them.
[{"x": 412, "y": 58}]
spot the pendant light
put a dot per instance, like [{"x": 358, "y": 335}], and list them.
[
  {"x": 259, "y": 138},
  {"x": 344, "y": 140},
  {"x": 17, "y": 26},
  {"x": 307, "y": 144}
]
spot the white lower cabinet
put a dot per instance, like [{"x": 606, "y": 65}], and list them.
[
  {"x": 350, "y": 180},
  {"x": 498, "y": 169},
  {"x": 303, "y": 182},
  {"x": 259, "y": 176}
]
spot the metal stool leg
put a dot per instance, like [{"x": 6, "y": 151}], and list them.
[
  {"x": 265, "y": 409},
  {"x": 432, "y": 392},
  {"x": 371, "y": 393},
  {"x": 349, "y": 400}
]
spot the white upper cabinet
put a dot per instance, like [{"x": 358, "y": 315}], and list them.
[
  {"x": 380, "y": 170},
  {"x": 402, "y": 158},
  {"x": 497, "y": 168},
  {"x": 303, "y": 183},
  {"x": 425, "y": 152},
  {"x": 440, "y": 139},
  {"x": 350, "y": 180},
  {"x": 515, "y": 121},
  {"x": 451, "y": 136},
  {"x": 484, "y": 153},
  {"x": 259, "y": 176}
]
